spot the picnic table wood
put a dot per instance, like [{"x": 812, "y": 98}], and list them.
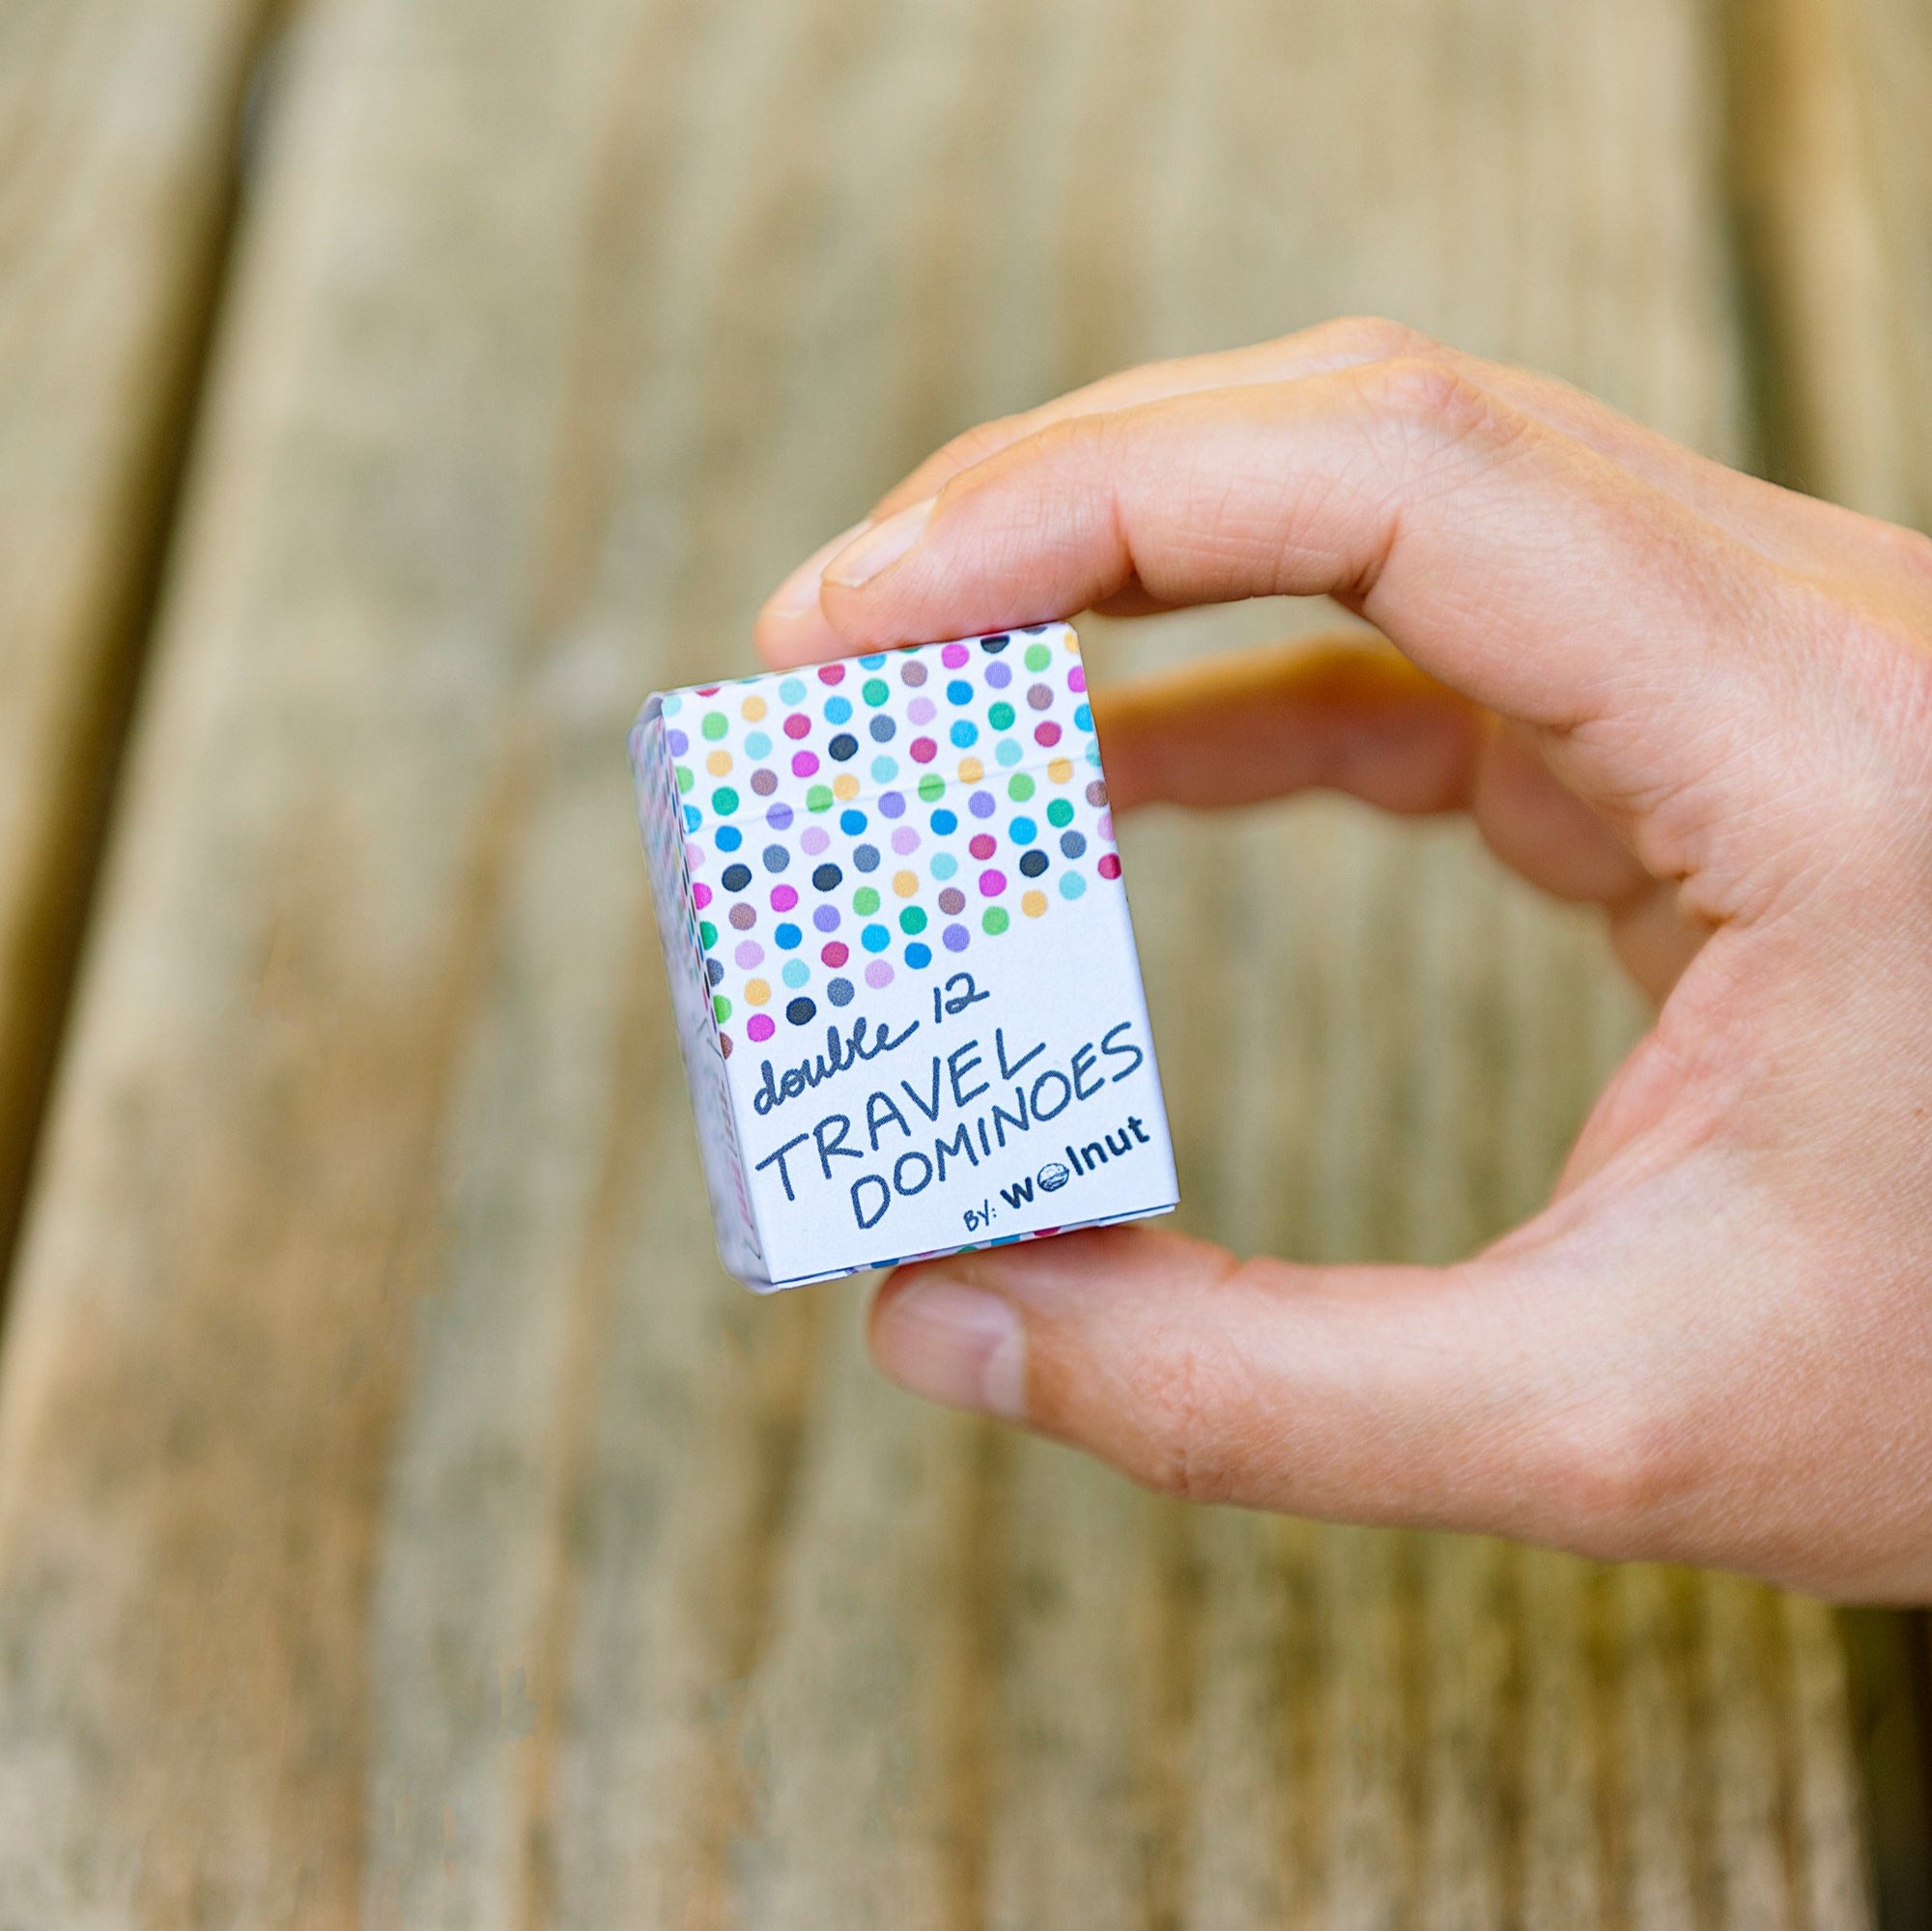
[{"x": 402, "y": 1521}]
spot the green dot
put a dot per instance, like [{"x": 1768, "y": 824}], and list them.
[
  {"x": 912, "y": 920},
  {"x": 1019, "y": 788},
  {"x": 708, "y": 933},
  {"x": 818, "y": 798},
  {"x": 724, "y": 801},
  {"x": 1001, "y": 716},
  {"x": 995, "y": 921},
  {"x": 714, "y": 725},
  {"x": 865, "y": 901},
  {"x": 874, "y": 691},
  {"x": 1060, "y": 812},
  {"x": 686, "y": 779},
  {"x": 721, "y": 1008},
  {"x": 932, "y": 788},
  {"x": 1037, "y": 658}
]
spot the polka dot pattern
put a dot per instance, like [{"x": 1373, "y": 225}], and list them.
[{"x": 883, "y": 816}]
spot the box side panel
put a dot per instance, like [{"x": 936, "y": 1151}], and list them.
[{"x": 660, "y": 819}]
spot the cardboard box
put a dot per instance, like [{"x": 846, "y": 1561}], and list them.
[{"x": 900, "y": 959}]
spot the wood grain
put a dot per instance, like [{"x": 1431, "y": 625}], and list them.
[
  {"x": 401, "y": 1521},
  {"x": 119, "y": 127}
]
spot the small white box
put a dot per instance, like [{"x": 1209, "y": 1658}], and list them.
[{"x": 900, "y": 959}]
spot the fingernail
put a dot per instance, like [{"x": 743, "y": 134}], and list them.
[
  {"x": 799, "y": 593},
  {"x": 880, "y": 546},
  {"x": 954, "y": 1344}
]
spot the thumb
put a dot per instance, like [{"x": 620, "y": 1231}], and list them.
[{"x": 1452, "y": 1397}]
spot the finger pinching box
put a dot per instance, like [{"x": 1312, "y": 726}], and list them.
[{"x": 902, "y": 969}]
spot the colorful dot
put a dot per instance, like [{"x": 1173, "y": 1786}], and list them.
[
  {"x": 922, "y": 750},
  {"x": 921, "y": 710},
  {"x": 1019, "y": 788},
  {"x": 686, "y": 779},
  {"x": 802, "y": 1011},
  {"x": 786, "y": 935},
  {"x": 842, "y": 749},
  {"x": 1109, "y": 866},
  {"x": 825, "y": 918},
  {"x": 1059, "y": 769},
  {"x": 831, "y": 674},
  {"x": 744, "y": 917},
  {"x": 982, "y": 804},
  {"x": 882, "y": 731},
  {"x": 785, "y": 899},
  {"x": 1076, "y": 679},
  {"x": 912, "y": 674},
  {"x": 718, "y": 763},
  {"x": 764, "y": 782},
  {"x": 956, "y": 937},
  {"x": 827, "y": 878},
  {"x": 1033, "y": 863},
  {"x": 798, "y": 726},
  {"x": 905, "y": 840},
  {"x": 952, "y": 901},
  {"x": 845, "y": 787},
  {"x": 760, "y": 1029},
  {"x": 999, "y": 676},
  {"x": 875, "y": 690},
  {"x": 1001, "y": 717},
  {"x": 992, "y": 882},
  {"x": 944, "y": 823},
  {"x": 1041, "y": 697},
  {"x": 814, "y": 838},
  {"x": 905, "y": 884},
  {"x": 971, "y": 771},
  {"x": 757, "y": 992},
  {"x": 919, "y": 956},
  {"x": 865, "y": 901},
  {"x": 713, "y": 725},
  {"x": 931, "y": 789},
  {"x": 890, "y": 804},
  {"x": 752, "y": 709},
  {"x": 1096, "y": 794},
  {"x": 791, "y": 690},
  {"x": 875, "y": 938},
  {"x": 778, "y": 816},
  {"x": 884, "y": 769},
  {"x": 983, "y": 846},
  {"x": 1037, "y": 657},
  {"x": 839, "y": 991},
  {"x": 912, "y": 919},
  {"x": 707, "y": 934},
  {"x": 1072, "y": 844},
  {"x": 995, "y": 922},
  {"x": 837, "y": 710},
  {"x": 795, "y": 974},
  {"x": 865, "y": 857},
  {"x": 1033, "y": 903},
  {"x": 818, "y": 798},
  {"x": 804, "y": 763},
  {"x": 1008, "y": 751},
  {"x": 836, "y": 954},
  {"x": 730, "y": 837},
  {"x": 878, "y": 975},
  {"x": 953, "y": 656},
  {"x": 1060, "y": 812},
  {"x": 735, "y": 877},
  {"x": 720, "y": 1010},
  {"x": 748, "y": 954},
  {"x": 1022, "y": 830},
  {"x": 944, "y": 864},
  {"x": 1072, "y": 885},
  {"x": 1046, "y": 735},
  {"x": 964, "y": 732},
  {"x": 851, "y": 823}
]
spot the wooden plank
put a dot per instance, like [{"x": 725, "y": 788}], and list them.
[
  {"x": 119, "y": 119},
  {"x": 399, "y": 1520}
]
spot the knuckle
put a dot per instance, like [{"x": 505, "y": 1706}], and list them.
[
  {"x": 1176, "y": 1451},
  {"x": 1423, "y": 396},
  {"x": 1375, "y": 338},
  {"x": 1618, "y": 1471}
]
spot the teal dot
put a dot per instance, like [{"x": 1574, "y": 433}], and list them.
[
  {"x": 932, "y": 788},
  {"x": 1009, "y": 751},
  {"x": 1001, "y": 716},
  {"x": 758, "y": 745},
  {"x": 1093, "y": 750},
  {"x": 725, "y": 801},
  {"x": 714, "y": 725},
  {"x": 1037, "y": 657},
  {"x": 875, "y": 690},
  {"x": 795, "y": 974},
  {"x": 707, "y": 934},
  {"x": 1019, "y": 788},
  {"x": 1072, "y": 885},
  {"x": 912, "y": 920},
  {"x": 1060, "y": 812},
  {"x": 884, "y": 769}
]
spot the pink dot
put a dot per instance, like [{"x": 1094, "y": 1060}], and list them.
[
  {"x": 953, "y": 656},
  {"x": 783, "y": 897},
  {"x": 815, "y": 840},
  {"x": 983, "y": 846},
  {"x": 835, "y": 954},
  {"x": 707, "y": 690},
  {"x": 748, "y": 954},
  {"x": 1106, "y": 826},
  {"x": 920, "y": 711},
  {"x": 1110, "y": 866},
  {"x": 804, "y": 763},
  {"x": 1076, "y": 679},
  {"x": 798, "y": 724},
  {"x": 759, "y": 1028},
  {"x": 923, "y": 751},
  {"x": 695, "y": 856},
  {"x": 700, "y": 895},
  {"x": 993, "y": 883},
  {"x": 905, "y": 840},
  {"x": 831, "y": 674},
  {"x": 878, "y": 974},
  {"x": 1047, "y": 733}
]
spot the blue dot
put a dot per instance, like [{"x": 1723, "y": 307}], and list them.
[
  {"x": 875, "y": 938},
  {"x": 837, "y": 710},
  {"x": 982, "y": 805},
  {"x": 1023, "y": 831},
  {"x": 964, "y": 732},
  {"x": 884, "y": 771},
  {"x": 671, "y": 706},
  {"x": 959, "y": 692},
  {"x": 1072, "y": 885},
  {"x": 791, "y": 690},
  {"x": 758, "y": 745},
  {"x": 730, "y": 837},
  {"x": 795, "y": 974},
  {"x": 882, "y": 729},
  {"x": 891, "y": 804},
  {"x": 786, "y": 935},
  {"x": 690, "y": 817},
  {"x": 826, "y": 918},
  {"x": 865, "y": 857},
  {"x": 676, "y": 743},
  {"x": 1009, "y": 751},
  {"x": 919, "y": 956},
  {"x": 852, "y": 822},
  {"x": 945, "y": 823},
  {"x": 872, "y": 663},
  {"x": 778, "y": 817}
]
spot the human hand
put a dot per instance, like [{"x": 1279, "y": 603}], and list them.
[{"x": 1690, "y": 698}]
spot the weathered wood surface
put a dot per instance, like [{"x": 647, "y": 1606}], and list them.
[
  {"x": 118, "y": 137},
  {"x": 401, "y": 1521}
]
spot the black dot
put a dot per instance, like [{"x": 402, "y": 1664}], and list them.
[
  {"x": 840, "y": 992},
  {"x": 737, "y": 877},
  {"x": 777, "y": 858},
  {"x": 827, "y": 878},
  {"x": 1033, "y": 863},
  {"x": 882, "y": 729},
  {"x": 844, "y": 746},
  {"x": 714, "y": 970},
  {"x": 801, "y": 1012},
  {"x": 993, "y": 645},
  {"x": 865, "y": 857},
  {"x": 1072, "y": 843}
]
